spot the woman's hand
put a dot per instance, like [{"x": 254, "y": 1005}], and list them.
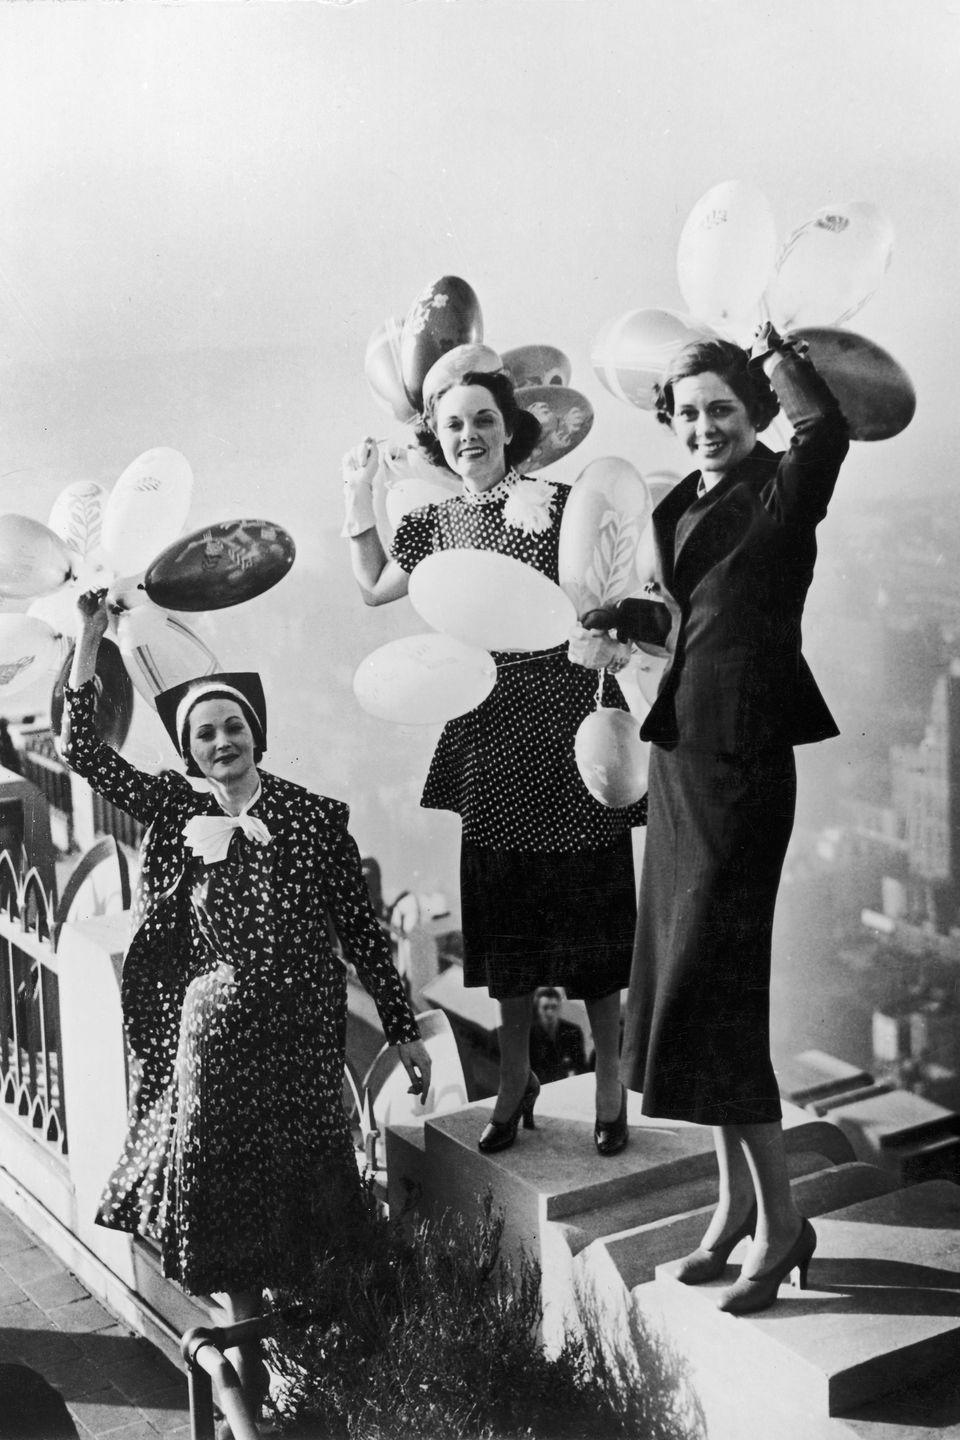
[
  {"x": 358, "y": 468},
  {"x": 597, "y": 649},
  {"x": 415, "y": 1059},
  {"x": 92, "y": 609}
]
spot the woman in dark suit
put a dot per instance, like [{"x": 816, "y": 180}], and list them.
[{"x": 735, "y": 550}]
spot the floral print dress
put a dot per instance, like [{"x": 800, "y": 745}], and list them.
[{"x": 238, "y": 1158}]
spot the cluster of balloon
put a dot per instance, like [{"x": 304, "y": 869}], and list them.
[
  {"x": 381, "y": 365},
  {"x": 444, "y": 315},
  {"x": 424, "y": 679},
  {"x": 490, "y": 600},
  {"x": 726, "y": 255},
  {"x": 603, "y": 523}
]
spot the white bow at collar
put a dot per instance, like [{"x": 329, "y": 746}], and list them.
[{"x": 209, "y": 836}]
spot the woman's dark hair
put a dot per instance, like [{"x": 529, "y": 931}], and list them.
[
  {"x": 253, "y": 725},
  {"x": 524, "y": 428},
  {"x": 729, "y": 362}
]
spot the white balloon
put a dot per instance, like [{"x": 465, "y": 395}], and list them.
[
  {"x": 77, "y": 515},
  {"x": 612, "y": 759},
  {"x": 28, "y": 650},
  {"x": 59, "y": 610},
  {"x": 424, "y": 679},
  {"x": 631, "y": 352},
  {"x": 831, "y": 265},
  {"x": 159, "y": 651},
  {"x": 33, "y": 560},
  {"x": 605, "y": 517},
  {"x": 726, "y": 253},
  {"x": 491, "y": 600},
  {"x": 146, "y": 510},
  {"x": 403, "y": 496}
]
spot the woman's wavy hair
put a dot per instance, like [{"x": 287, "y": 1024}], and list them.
[
  {"x": 731, "y": 363},
  {"x": 524, "y": 428}
]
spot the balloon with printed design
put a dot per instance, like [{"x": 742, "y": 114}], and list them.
[
  {"x": 612, "y": 759},
  {"x": 28, "y": 649},
  {"x": 424, "y": 679},
  {"x": 726, "y": 254},
  {"x": 605, "y": 516},
  {"x": 873, "y": 390},
  {"x": 113, "y": 705},
  {"x": 631, "y": 352},
  {"x": 566, "y": 419},
  {"x": 77, "y": 515},
  {"x": 490, "y": 600},
  {"x": 381, "y": 365},
  {"x": 536, "y": 365},
  {"x": 146, "y": 509},
  {"x": 220, "y": 565},
  {"x": 445, "y": 314},
  {"x": 160, "y": 650},
  {"x": 33, "y": 560},
  {"x": 831, "y": 266},
  {"x": 454, "y": 364}
]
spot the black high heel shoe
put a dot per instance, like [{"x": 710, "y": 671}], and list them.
[
  {"x": 500, "y": 1134},
  {"x": 703, "y": 1264},
  {"x": 610, "y": 1136},
  {"x": 760, "y": 1291}
]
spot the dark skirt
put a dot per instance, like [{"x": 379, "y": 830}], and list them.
[
  {"x": 697, "y": 1026},
  {"x": 543, "y": 918}
]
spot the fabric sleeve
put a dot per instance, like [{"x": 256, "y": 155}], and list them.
[
  {"x": 414, "y": 539},
  {"x": 104, "y": 770},
  {"x": 803, "y": 485},
  {"x": 363, "y": 937}
]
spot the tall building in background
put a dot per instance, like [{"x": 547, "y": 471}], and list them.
[{"x": 925, "y": 782}]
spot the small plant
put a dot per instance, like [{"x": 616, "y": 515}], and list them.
[{"x": 435, "y": 1337}]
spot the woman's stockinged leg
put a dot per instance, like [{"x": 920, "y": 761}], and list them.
[
  {"x": 605, "y": 1027},
  {"x": 516, "y": 1014},
  {"x": 736, "y": 1193},
  {"x": 778, "y": 1219}
]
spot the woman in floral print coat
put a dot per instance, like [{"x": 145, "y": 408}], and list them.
[{"x": 238, "y": 1158}]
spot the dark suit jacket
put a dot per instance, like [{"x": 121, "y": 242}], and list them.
[{"x": 734, "y": 568}]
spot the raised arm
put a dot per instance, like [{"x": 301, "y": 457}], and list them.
[
  {"x": 81, "y": 746},
  {"x": 380, "y": 579}
]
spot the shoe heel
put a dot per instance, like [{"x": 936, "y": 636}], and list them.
[
  {"x": 798, "y": 1276},
  {"x": 528, "y": 1121}
]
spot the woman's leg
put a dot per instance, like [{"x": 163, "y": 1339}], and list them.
[
  {"x": 516, "y": 1015},
  {"x": 736, "y": 1187},
  {"x": 605, "y": 1027},
  {"x": 778, "y": 1219},
  {"x": 247, "y": 1360}
]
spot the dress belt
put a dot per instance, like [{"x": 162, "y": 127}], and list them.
[{"x": 504, "y": 658}]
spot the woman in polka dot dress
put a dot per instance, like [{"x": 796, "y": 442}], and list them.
[
  {"x": 238, "y": 1158},
  {"x": 547, "y": 884}
]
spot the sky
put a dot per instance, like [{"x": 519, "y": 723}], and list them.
[{"x": 207, "y": 208}]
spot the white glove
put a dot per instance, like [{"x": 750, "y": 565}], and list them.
[{"x": 358, "y": 468}]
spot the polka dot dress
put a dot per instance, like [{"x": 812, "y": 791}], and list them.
[
  {"x": 508, "y": 767},
  {"x": 238, "y": 1158}
]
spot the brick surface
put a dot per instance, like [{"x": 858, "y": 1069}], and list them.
[
  {"x": 13, "y": 1236},
  {"x": 51, "y": 1290},
  {"x": 10, "y": 1292},
  {"x": 87, "y": 1315},
  {"x": 169, "y": 1411},
  {"x": 142, "y": 1379},
  {"x": 103, "y": 1412},
  {"x": 24, "y": 1316},
  {"x": 31, "y": 1264}
]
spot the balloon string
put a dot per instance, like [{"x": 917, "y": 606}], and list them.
[{"x": 598, "y": 698}]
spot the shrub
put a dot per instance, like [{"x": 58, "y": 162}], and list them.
[{"x": 435, "y": 1337}]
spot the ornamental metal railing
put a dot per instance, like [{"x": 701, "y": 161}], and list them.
[{"x": 31, "y": 1052}]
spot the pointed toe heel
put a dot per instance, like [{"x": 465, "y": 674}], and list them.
[
  {"x": 758, "y": 1292},
  {"x": 702, "y": 1264},
  {"x": 610, "y": 1136},
  {"x": 500, "y": 1134}
]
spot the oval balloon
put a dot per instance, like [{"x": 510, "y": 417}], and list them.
[
  {"x": 77, "y": 515},
  {"x": 490, "y": 600},
  {"x": 536, "y": 365},
  {"x": 727, "y": 250},
  {"x": 659, "y": 483},
  {"x": 605, "y": 516},
  {"x": 830, "y": 266},
  {"x": 146, "y": 509},
  {"x": 33, "y": 560},
  {"x": 220, "y": 565},
  {"x": 28, "y": 647},
  {"x": 874, "y": 392},
  {"x": 631, "y": 353},
  {"x": 612, "y": 759},
  {"x": 113, "y": 708},
  {"x": 445, "y": 314},
  {"x": 405, "y": 495},
  {"x": 460, "y": 361},
  {"x": 424, "y": 679},
  {"x": 160, "y": 650},
  {"x": 566, "y": 418},
  {"x": 381, "y": 365},
  {"x": 58, "y": 610}
]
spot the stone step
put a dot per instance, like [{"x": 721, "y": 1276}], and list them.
[
  {"x": 881, "y": 1314},
  {"x": 671, "y": 1222}
]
